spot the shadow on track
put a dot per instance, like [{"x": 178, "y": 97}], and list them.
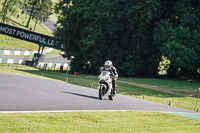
[{"x": 82, "y": 95}]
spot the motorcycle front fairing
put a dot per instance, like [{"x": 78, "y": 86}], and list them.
[{"x": 104, "y": 77}]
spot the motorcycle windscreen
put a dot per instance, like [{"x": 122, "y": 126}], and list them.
[{"x": 104, "y": 73}]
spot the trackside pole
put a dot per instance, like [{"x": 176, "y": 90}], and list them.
[
  {"x": 66, "y": 79},
  {"x": 197, "y": 98},
  {"x": 42, "y": 49}
]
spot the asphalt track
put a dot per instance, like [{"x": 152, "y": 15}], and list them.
[
  {"x": 50, "y": 24},
  {"x": 28, "y": 93}
]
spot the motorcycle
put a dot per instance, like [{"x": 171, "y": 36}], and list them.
[{"x": 105, "y": 85}]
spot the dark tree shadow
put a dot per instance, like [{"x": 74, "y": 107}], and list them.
[{"x": 16, "y": 23}]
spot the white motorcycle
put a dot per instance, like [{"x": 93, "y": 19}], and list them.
[{"x": 105, "y": 85}]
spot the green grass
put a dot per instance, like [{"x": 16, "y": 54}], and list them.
[
  {"x": 54, "y": 17},
  {"x": 6, "y": 41},
  {"x": 12, "y": 71},
  {"x": 166, "y": 83},
  {"x": 119, "y": 121},
  {"x": 16, "y": 66},
  {"x": 53, "y": 53},
  {"x": 25, "y": 56},
  {"x": 158, "y": 96}
]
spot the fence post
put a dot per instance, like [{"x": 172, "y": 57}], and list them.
[
  {"x": 169, "y": 103},
  {"x": 67, "y": 79},
  {"x": 197, "y": 98},
  {"x": 91, "y": 85}
]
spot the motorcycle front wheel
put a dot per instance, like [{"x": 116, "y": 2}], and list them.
[{"x": 101, "y": 92}]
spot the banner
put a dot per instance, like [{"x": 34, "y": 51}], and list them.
[{"x": 30, "y": 36}]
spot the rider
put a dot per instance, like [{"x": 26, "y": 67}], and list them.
[{"x": 109, "y": 67}]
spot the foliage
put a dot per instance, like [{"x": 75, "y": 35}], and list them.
[
  {"x": 134, "y": 34},
  {"x": 38, "y": 9},
  {"x": 43, "y": 11},
  {"x": 163, "y": 65},
  {"x": 117, "y": 30},
  {"x": 30, "y": 6},
  {"x": 8, "y": 9},
  {"x": 179, "y": 36}
]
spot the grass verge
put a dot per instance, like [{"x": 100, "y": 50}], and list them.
[
  {"x": 12, "y": 71},
  {"x": 16, "y": 66},
  {"x": 10, "y": 42},
  {"x": 119, "y": 121},
  {"x": 166, "y": 83}
]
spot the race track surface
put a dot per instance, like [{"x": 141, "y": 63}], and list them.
[{"x": 28, "y": 93}]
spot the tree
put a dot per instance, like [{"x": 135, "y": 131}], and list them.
[
  {"x": 43, "y": 11},
  {"x": 38, "y": 9},
  {"x": 179, "y": 37},
  {"x": 30, "y": 6},
  {"x": 9, "y": 8},
  {"x": 119, "y": 30},
  {"x": 69, "y": 34}
]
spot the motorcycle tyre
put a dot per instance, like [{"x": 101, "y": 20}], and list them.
[{"x": 100, "y": 93}]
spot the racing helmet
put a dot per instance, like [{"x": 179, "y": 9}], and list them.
[{"x": 108, "y": 65}]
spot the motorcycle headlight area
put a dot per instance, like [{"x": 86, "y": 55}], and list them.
[{"x": 102, "y": 80}]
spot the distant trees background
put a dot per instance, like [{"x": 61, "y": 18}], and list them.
[
  {"x": 134, "y": 34},
  {"x": 138, "y": 36},
  {"x": 8, "y": 8},
  {"x": 178, "y": 35},
  {"x": 39, "y": 10}
]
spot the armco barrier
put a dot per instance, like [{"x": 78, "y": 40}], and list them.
[
  {"x": 9, "y": 52},
  {"x": 39, "y": 65},
  {"x": 11, "y": 61},
  {"x": 52, "y": 66}
]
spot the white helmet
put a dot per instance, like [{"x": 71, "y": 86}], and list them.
[{"x": 108, "y": 65}]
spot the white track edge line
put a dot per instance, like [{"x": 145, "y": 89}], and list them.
[{"x": 62, "y": 111}]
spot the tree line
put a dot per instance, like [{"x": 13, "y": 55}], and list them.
[
  {"x": 136, "y": 35},
  {"x": 38, "y": 10}
]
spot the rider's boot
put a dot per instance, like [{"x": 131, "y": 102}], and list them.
[
  {"x": 114, "y": 86},
  {"x": 114, "y": 90}
]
